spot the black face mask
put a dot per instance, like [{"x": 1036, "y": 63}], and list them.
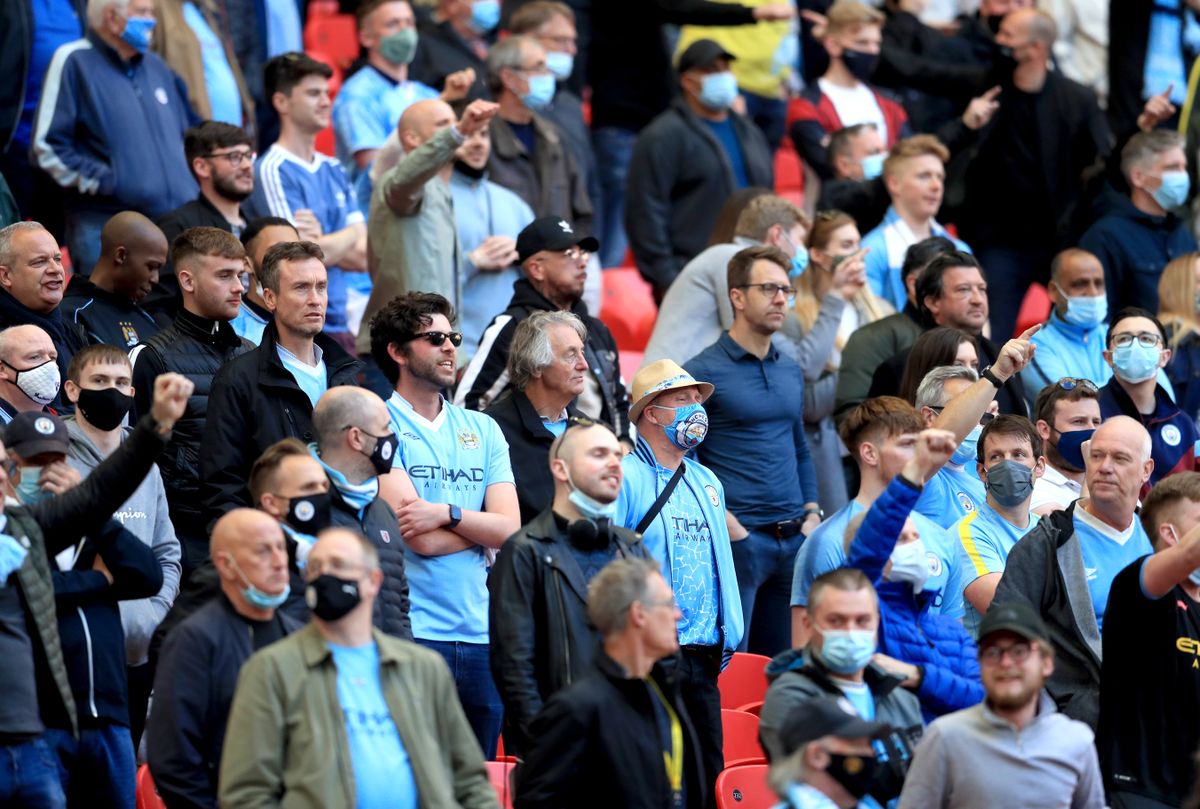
[
  {"x": 384, "y": 452},
  {"x": 310, "y": 513},
  {"x": 992, "y": 22},
  {"x": 1006, "y": 60},
  {"x": 331, "y": 598},
  {"x": 104, "y": 409},
  {"x": 861, "y": 65},
  {"x": 855, "y": 773},
  {"x": 469, "y": 171}
]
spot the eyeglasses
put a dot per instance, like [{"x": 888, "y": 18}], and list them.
[
  {"x": 235, "y": 158},
  {"x": 771, "y": 290},
  {"x": 1145, "y": 338},
  {"x": 1071, "y": 383},
  {"x": 437, "y": 338},
  {"x": 984, "y": 420},
  {"x": 992, "y": 655}
]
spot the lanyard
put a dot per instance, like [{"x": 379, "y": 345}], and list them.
[{"x": 673, "y": 760}]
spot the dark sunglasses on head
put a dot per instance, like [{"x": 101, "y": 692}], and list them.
[
  {"x": 1071, "y": 383},
  {"x": 436, "y": 338}
]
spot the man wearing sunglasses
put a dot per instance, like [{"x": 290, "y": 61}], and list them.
[{"x": 1137, "y": 351}]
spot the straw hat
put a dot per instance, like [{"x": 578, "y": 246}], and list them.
[{"x": 662, "y": 376}]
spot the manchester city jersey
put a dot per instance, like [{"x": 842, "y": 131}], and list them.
[
  {"x": 984, "y": 540},
  {"x": 949, "y": 495}
]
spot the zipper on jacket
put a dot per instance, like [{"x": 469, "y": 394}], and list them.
[
  {"x": 287, "y": 411},
  {"x": 87, "y": 636},
  {"x": 562, "y": 614}
]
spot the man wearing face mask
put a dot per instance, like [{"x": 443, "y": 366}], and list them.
[
  {"x": 541, "y": 639},
  {"x": 1067, "y": 414},
  {"x": 29, "y": 377},
  {"x": 198, "y": 669},
  {"x": 1009, "y": 463},
  {"x": 1137, "y": 350},
  {"x": 1142, "y": 233},
  {"x": 856, "y": 156},
  {"x": 678, "y": 507},
  {"x": 839, "y": 661},
  {"x": 100, "y": 154},
  {"x": 669, "y": 202},
  {"x": 356, "y": 445},
  {"x": 396, "y": 733}
]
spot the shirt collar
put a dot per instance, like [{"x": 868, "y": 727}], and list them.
[
  {"x": 1056, "y": 478},
  {"x": 1103, "y": 528},
  {"x": 737, "y": 353},
  {"x": 403, "y": 404}
]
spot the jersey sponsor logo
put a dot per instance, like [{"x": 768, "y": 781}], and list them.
[
  {"x": 713, "y": 498},
  {"x": 1190, "y": 647},
  {"x": 965, "y": 501},
  {"x": 695, "y": 530},
  {"x": 468, "y": 439},
  {"x": 431, "y": 472},
  {"x": 1171, "y": 435}
]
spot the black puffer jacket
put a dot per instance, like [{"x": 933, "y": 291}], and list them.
[{"x": 377, "y": 522}]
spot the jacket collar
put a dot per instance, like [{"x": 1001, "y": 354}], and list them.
[
  {"x": 272, "y": 371},
  {"x": 213, "y": 332},
  {"x": 878, "y": 680},
  {"x": 530, "y": 419},
  {"x": 738, "y": 354},
  {"x": 1046, "y": 707},
  {"x": 1124, "y": 208},
  {"x": 632, "y": 686},
  {"x": 506, "y": 144},
  {"x": 205, "y": 203},
  {"x": 1163, "y": 407},
  {"x": 314, "y": 649},
  {"x": 111, "y": 53},
  {"x": 545, "y": 529},
  {"x": 1072, "y": 330},
  {"x": 526, "y": 296}
]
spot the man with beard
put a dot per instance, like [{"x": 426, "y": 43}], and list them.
[{"x": 1067, "y": 413}]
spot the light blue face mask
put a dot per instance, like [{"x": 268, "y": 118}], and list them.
[
  {"x": 590, "y": 507},
  {"x": 800, "y": 259},
  {"x": 718, "y": 90},
  {"x": 540, "y": 93},
  {"x": 689, "y": 427},
  {"x": 845, "y": 651},
  {"x": 1174, "y": 189},
  {"x": 256, "y": 597},
  {"x": 137, "y": 33},
  {"x": 561, "y": 64},
  {"x": 967, "y": 449},
  {"x": 872, "y": 165},
  {"x": 485, "y": 15},
  {"x": 30, "y": 490},
  {"x": 1085, "y": 311},
  {"x": 1135, "y": 362}
]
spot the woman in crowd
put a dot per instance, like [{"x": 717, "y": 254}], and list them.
[
  {"x": 933, "y": 349},
  {"x": 1179, "y": 311}
]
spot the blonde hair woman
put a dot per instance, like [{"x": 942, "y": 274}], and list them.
[{"x": 1179, "y": 311}]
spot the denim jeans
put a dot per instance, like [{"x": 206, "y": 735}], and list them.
[
  {"x": 29, "y": 776},
  {"x": 697, "y": 674},
  {"x": 1009, "y": 273},
  {"x": 764, "y": 568},
  {"x": 614, "y": 150},
  {"x": 769, "y": 114},
  {"x": 98, "y": 768},
  {"x": 471, "y": 667},
  {"x": 82, "y": 235}
]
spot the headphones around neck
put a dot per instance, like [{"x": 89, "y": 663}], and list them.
[{"x": 590, "y": 535}]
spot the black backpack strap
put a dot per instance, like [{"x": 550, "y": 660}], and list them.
[{"x": 663, "y": 496}]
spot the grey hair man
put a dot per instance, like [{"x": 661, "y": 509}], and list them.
[{"x": 29, "y": 375}]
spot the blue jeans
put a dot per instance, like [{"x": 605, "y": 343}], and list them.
[
  {"x": 1009, "y": 273},
  {"x": 82, "y": 235},
  {"x": 614, "y": 150},
  {"x": 770, "y": 114},
  {"x": 764, "y": 568},
  {"x": 98, "y": 768},
  {"x": 29, "y": 776},
  {"x": 471, "y": 667}
]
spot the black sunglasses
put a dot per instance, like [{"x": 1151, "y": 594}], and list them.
[
  {"x": 436, "y": 338},
  {"x": 1070, "y": 383}
]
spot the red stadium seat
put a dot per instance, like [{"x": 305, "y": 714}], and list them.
[
  {"x": 335, "y": 35},
  {"x": 627, "y": 308},
  {"x": 752, "y": 707},
  {"x": 745, "y": 787},
  {"x": 630, "y": 361},
  {"x": 740, "y": 732},
  {"x": 335, "y": 81},
  {"x": 500, "y": 777},
  {"x": 743, "y": 681},
  {"x": 789, "y": 173},
  {"x": 322, "y": 8},
  {"x": 146, "y": 795},
  {"x": 1034, "y": 309}
]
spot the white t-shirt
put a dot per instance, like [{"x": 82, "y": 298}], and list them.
[{"x": 855, "y": 105}]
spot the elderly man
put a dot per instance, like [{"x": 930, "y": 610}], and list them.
[
  {"x": 202, "y": 656},
  {"x": 548, "y": 371},
  {"x": 356, "y": 445},
  {"x": 603, "y": 741},
  {"x": 678, "y": 506},
  {"x": 392, "y": 727},
  {"x": 541, "y": 638},
  {"x": 1065, "y": 566},
  {"x": 29, "y": 376}
]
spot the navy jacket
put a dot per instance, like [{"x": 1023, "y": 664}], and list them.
[
  {"x": 89, "y": 619},
  {"x": 1173, "y": 432},
  {"x": 908, "y": 631}
]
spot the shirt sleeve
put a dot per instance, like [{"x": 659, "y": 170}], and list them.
[
  {"x": 978, "y": 553},
  {"x": 500, "y": 463},
  {"x": 358, "y": 124},
  {"x": 925, "y": 784}
]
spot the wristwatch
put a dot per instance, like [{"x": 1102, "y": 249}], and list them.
[
  {"x": 820, "y": 512},
  {"x": 987, "y": 374},
  {"x": 455, "y": 516}
]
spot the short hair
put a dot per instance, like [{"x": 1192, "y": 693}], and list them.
[
  {"x": 262, "y": 474},
  {"x": 840, "y": 142},
  {"x": 918, "y": 256},
  {"x": 285, "y": 71},
  {"x": 1042, "y": 28},
  {"x": 1045, "y": 405},
  {"x": 850, "y": 15},
  {"x": 1013, "y": 425},
  {"x": 614, "y": 590},
  {"x": 826, "y": 224},
  {"x": 929, "y": 282},
  {"x": 95, "y": 10},
  {"x": 762, "y": 212},
  {"x": 397, "y": 322},
  {"x": 100, "y": 354},
  {"x": 916, "y": 146},
  {"x": 530, "y": 352},
  {"x": 724, "y": 230},
  {"x": 878, "y": 419},
  {"x": 1061, "y": 258},
  {"x": 200, "y": 140},
  {"x": 1165, "y": 494},
  {"x": 508, "y": 54},
  {"x": 532, "y": 16},
  {"x": 1144, "y": 147},
  {"x": 259, "y": 224},
  {"x": 1134, "y": 311},
  {"x": 205, "y": 241},
  {"x": 742, "y": 263},
  {"x": 268, "y": 273},
  {"x": 846, "y": 579},
  {"x": 367, "y": 7},
  {"x": 7, "y": 257},
  {"x": 333, "y": 414},
  {"x": 932, "y": 349},
  {"x": 932, "y": 390}
]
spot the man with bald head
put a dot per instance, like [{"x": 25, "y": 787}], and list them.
[
  {"x": 107, "y": 303},
  {"x": 202, "y": 656},
  {"x": 29, "y": 375},
  {"x": 1065, "y": 566},
  {"x": 355, "y": 445},
  {"x": 412, "y": 241}
]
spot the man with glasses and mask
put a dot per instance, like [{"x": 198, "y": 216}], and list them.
[
  {"x": 394, "y": 732},
  {"x": 1067, "y": 414},
  {"x": 458, "y": 504},
  {"x": 1014, "y": 750},
  {"x": 1137, "y": 350}
]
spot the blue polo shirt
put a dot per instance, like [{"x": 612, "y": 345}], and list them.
[
  {"x": 984, "y": 540},
  {"x": 756, "y": 443},
  {"x": 1173, "y": 433}
]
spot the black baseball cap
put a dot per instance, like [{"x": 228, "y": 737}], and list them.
[
  {"x": 551, "y": 233},
  {"x": 826, "y": 716},
  {"x": 702, "y": 53},
  {"x": 1017, "y": 617},
  {"x": 33, "y": 433}
]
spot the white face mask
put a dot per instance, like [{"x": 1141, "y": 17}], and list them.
[
  {"x": 40, "y": 383},
  {"x": 909, "y": 564}
]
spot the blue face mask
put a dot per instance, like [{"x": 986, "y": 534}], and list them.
[
  {"x": 1135, "y": 362},
  {"x": 30, "y": 490},
  {"x": 967, "y": 449},
  {"x": 1174, "y": 189},
  {"x": 1084, "y": 310},
  {"x": 872, "y": 165},
  {"x": 718, "y": 90},
  {"x": 485, "y": 15},
  {"x": 540, "y": 93},
  {"x": 845, "y": 651},
  {"x": 561, "y": 64},
  {"x": 799, "y": 262},
  {"x": 256, "y": 597},
  {"x": 1070, "y": 447},
  {"x": 689, "y": 427},
  {"x": 137, "y": 33}
]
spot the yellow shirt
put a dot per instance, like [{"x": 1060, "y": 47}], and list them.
[{"x": 757, "y": 48}]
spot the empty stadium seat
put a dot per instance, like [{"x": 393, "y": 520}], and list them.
[
  {"x": 335, "y": 81},
  {"x": 745, "y": 787},
  {"x": 740, "y": 732},
  {"x": 627, "y": 307},
  {"x": 500, "y": 777},
  {"x": 335, "y": 35},
  {"x": 146, "y": 795},
  {"x": 743, "y": 681},
  {"x": 327, "y": 142},
  {"x": 1034, "y": 309}
]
